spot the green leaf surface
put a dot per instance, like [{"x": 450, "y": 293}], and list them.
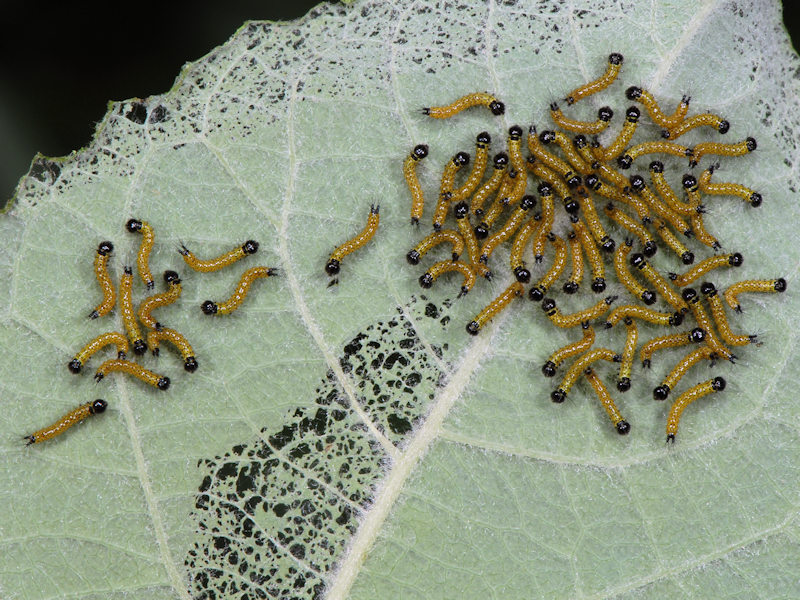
[{"x": 353, "y": 441}]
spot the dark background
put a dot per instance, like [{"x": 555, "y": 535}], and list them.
[
  {"x": 59, "y": 68},
  {"x": 60, "y": 65}
]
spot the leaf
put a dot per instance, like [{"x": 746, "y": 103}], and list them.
[{"x": 355, "y": 437}]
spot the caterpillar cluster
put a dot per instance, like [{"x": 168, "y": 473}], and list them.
[
  {"x": 133, "y": 316},
  {"x": 493, "y": 205}
]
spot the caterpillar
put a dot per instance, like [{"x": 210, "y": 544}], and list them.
[
  {"x": 73, "y": 417},
  {"x": 333, "y": 265},
  {"x": 97, "y": 344},
  {"x": 465, "y": 102},
  {"x": 224, "y": 260},
  {"x": 132, "y": 368},
  {"x": 149, "y": 304},
  {"x": 143, "y": 257},
  {"x": 598, "y": 85},
  {"x": 210, "y": 307},
  {"x": 104, "y": 249}
]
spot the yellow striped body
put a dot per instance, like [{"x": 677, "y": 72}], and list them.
[
  {"x": 727, "y": 188},
  {"x": 541, "y": 171},
  {"x": 178, "y": 340},
  {"x": 520, "y": 241},
  {"x": 686, "y": 398},
  {"x": 484, "y": 191},
  {"x": 658, "y": 147},
  {"x": 106, "y": 285},
  {"x": 149, "y": 304},
  {"x": 666, "y": 192},
  {"x": 446, "y": 266},
  {"x": 673, "y": 242},
  {"x": 607, "y": 401},
  {"x": 238, "y": 296},
  {"x": 629, "y": 350},
  {"x": 571, "y": 153},
  {"x": 575, "y": 348},
  {"x": 623, "y": 272},
  {"x": 476, "y": 173},
  {"x": 470, "y": 241},
  {"x": 675, "y": 340},
  {"x": 549, "y": 160},
  {"x": 515, "y": 149},
  {"x": 622, "y": 219},
  {"x": 519, "y": 185},
  {"x": 701, "y": 120},
  {"x": 566, "y": 321},
  {"x": 134, "y": 369},
  {"x": 446, "y": 194},
  {"x": 701, "y": 233},
  {"x": 590, "y": 248},
  {"x": 465, "y": 102},
  {"x": 219, "y": 262},
  {"x": 576, "y": 254},
  {"x": 640, "y": 312},
  {"x": 592, "y": 218},
  {"x": 737, "y": 149},
  {"x": 582, "y": 127},
  {"x": 662, "y": 285},
  {"x": 73, "y": 417},
  {"x": 434, "y": 239},
  {"x": 545, "y": 226},
  {"x": 611, "y": 175},
  {"x": 615, "y": 148},
  {"x": 599, "y": 84},
  {"x": 505, "y": 232},
  {"x": 143, "y": 257},
  {"x": 499, "y": 205},
  {"x": 657, "y": 115},
  {"x": 749, "y": 286},
  {"x": 580, "y": 365},
  {"x": 686, "y": 363},
  {"x": 494, "y": 307},
  {"x": 412, "y": 181},
  {"x": 97, "y": 344},
  {"x": 721, "y": 320},
  {"x": 353, "y": 244},
  {"x": 662, "y": 209},
  {"x": 127, "y": 312},
  {"x": 559, "y": 262},
  {"x": 703, "y": 267}
]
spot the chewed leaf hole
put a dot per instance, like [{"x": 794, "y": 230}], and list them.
[{"x": 275, "y": 514}]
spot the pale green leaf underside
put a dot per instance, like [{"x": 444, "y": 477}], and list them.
[{"x": 287, "y": 134}]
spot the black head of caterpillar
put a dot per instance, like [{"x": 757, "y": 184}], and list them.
[
  {"x": 605, "y": 113},
  {"x": 332, "y": 267},
  {"x": 420, "y": 151}
]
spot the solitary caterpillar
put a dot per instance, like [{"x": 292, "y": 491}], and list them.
[
  {"x": 334, "y": 262},
  {"x": 465, "y": 102},
  {"x": 84, "y": 411}
]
